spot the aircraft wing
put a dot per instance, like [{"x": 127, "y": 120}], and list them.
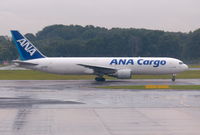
[
  {"x": 24, "y": 63},
  {"x": 100, "y": 70}
]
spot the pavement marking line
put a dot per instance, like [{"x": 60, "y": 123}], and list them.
[
  {"x": 102, "y": 122},
  {"x": 157, "y": 86}
]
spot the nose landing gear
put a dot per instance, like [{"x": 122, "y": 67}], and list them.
[
  {"x": 100, "y": 79},
  {"x": 173, "y": 77}
]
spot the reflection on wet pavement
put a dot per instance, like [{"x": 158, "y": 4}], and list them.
[
  {"x": 22, "y": 102},
  {"x": 76, "y": 107}
]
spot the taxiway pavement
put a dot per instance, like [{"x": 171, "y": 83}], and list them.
[{"x": 76, "y": 107}]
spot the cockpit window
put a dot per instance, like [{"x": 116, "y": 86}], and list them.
[{"x": 180, "y": 63}]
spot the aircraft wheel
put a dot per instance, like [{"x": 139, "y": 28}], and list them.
[
  {"x": 100, "y": 79},
  {"x": 173, "y": 77}
]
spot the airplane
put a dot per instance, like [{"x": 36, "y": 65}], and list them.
[{"x": 118, "y": 67}]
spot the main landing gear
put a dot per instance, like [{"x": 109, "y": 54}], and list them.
[
  {"x": 100, "y": 79},
  {"x": 173, "y": 77}
]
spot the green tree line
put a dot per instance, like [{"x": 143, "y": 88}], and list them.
[{"x": 77, "y": 41}]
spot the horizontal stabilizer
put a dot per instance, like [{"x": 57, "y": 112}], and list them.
[{"x": 23, "y": 63}]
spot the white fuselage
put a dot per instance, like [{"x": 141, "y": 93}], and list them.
[{"x": 137, "y": 65}]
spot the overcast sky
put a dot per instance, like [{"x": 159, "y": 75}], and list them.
[{"x": 30, "y": 16}]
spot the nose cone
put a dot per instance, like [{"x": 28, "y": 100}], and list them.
[{"x": 185, "y": 67}]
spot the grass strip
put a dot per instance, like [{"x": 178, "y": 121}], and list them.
[
  {"x": 194, "y": 66},
  {"x": 191, "y": 74},
  {"x": 143, "y": 87},
  {"x": 37, "y": 75}
]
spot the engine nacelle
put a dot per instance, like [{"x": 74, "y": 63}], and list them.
[{"x": 123, "y": 74}]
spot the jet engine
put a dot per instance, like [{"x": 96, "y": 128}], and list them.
[{"x": 123, "y": 74}]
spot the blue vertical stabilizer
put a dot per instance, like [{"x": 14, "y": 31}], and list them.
[{"x": 25, "y": 48}]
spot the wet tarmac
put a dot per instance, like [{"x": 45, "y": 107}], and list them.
[{"x": 76, "y": 107}]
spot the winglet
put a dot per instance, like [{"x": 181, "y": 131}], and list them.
[{"x": 25, "y": 48}]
